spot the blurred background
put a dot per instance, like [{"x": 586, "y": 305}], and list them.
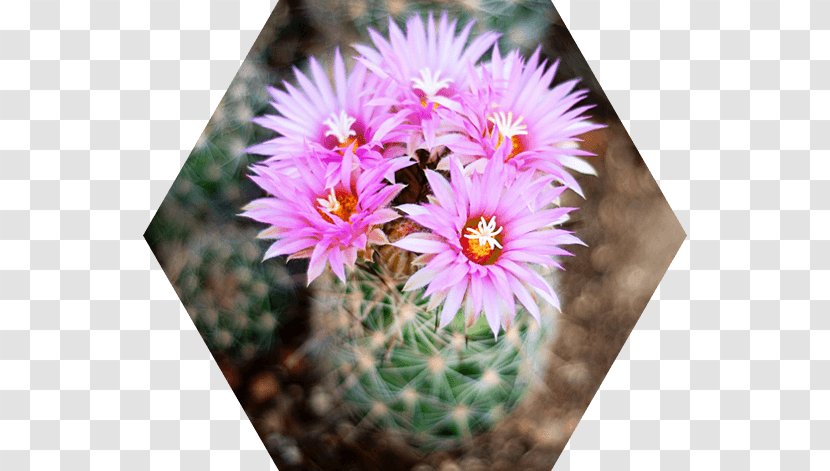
[{"x": 254, "y": 316}]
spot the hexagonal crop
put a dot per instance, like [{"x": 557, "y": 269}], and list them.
[{"x": 414, "y": 235}]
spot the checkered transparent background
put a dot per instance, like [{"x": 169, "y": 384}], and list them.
[{"x": 729, "y": 103}]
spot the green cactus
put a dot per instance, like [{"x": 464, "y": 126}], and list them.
[
  {"x": 396, "y": 371},
  {"x": 212, "y": 186},
  {"x": 234, "y": 300},
  {"x": 219, "y": 163},
  {"x": 522, "y": 22}
]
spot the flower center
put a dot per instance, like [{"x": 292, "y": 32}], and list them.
[
  {"x": 340, "y": 127},
  {"x": 340, "y": 203},
  {"x": 430, "y": 84},
  {"x": 509, "y": 129},
  {"x": 481, "y": 240},
  {"x": 353, "y": 142}
]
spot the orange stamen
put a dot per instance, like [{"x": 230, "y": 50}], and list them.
[{"x": 339, "y": 202}]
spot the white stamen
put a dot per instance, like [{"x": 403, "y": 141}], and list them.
[
  {"x": 486, "y": 233},
  {"x": 430, "y": 83},
  {"x": 330, "y": 204},
  {"x": 506, "y": 126},
  {"x": 340, "y": 126}
]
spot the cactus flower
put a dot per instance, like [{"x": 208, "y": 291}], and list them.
[
  {"x": 329, "y": 223},
  {"x": 487, "y": 231},
  {"x": 426, "y": 67},
  {"x": 513, "y": 114},
  {"x": 316, "y": 118},
  {"x": 506, "y": 138}
]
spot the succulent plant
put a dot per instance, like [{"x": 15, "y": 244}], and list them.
[
  {"x": 395, "y": 370},
  {"x": 235, "y": 301},
  {"x": 521, "y": 21},
  {"x": 212, "y": 186},
  {"x": 218, "y": 163},
  {"x": 479, "y": 235}
]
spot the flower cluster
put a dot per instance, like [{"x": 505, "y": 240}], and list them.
[{"x": 490, "y": 143}]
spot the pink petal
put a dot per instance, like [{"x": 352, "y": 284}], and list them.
[
  {"x": 453, "y": 303},
  {"x": 317, "y": 262},
  {"x": 419, "y": 279},
  {"x": 491, "y": 306},
  {"x": 337, "y": 264},
  {"x": 421, "y": 243},
  {"x": 441, "y": 188}
]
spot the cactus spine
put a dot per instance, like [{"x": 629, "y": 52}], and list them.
[
  {"x": 396, "y": 371},
  {"x": 234, "y": 301}
]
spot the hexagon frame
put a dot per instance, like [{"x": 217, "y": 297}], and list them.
[{"x": 210, "y": 257}]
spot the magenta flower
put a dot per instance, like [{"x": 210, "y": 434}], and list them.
[
  {"x": 513, "y": 115},
  {"x": 426, "y": 67},
  {"x": 507, "y": 138},
  {"x": 329, "y": 121},
  {"x": 330, "y": 224},
  {"x": 487, "y": 231}
]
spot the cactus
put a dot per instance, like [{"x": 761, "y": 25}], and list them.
[
  {"x": 218, "y": 163},
  {"x": 234, "y": 301},
  {"x": 523, "y": 22},
  {"x": 212, "y": 186},
  {"x": 394, "y": 370},
  {"x": 220, "y": 155}
]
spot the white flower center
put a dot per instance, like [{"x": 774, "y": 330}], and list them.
[
  {"x": 340, "y": 126},
  {"x": 485, "y": 233},
  {"x": 430, "y": 83},
  {"x": 330, "y": 204},
  {"x": 507, "y": 127}
]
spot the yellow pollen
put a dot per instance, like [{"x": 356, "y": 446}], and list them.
[
  {"x": 480, "y": 251},
  {"x": 515, "y": 146},
  {"x": 508, "y": 128},
  {"x": 353, "y": 141},
  {"x": 481, "y": 240},
  {"x": 424, "y": 104},
  {"x": 340, "y": 203}
]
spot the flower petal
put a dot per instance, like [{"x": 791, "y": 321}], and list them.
[
  {"x": 453, "y": 303},
  {"x": 421, "y": 243}
]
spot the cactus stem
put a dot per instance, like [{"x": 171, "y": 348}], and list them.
[{"x": 438, "y": 387}]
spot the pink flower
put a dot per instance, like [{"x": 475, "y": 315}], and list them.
[
  {"x": 488, "y": 230},
  {"x": 426, "y": 67},
  {"x": 513, "y": 115},
  {"x": 328, "y": 223},
  {"x": 329, "y": 121}
]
